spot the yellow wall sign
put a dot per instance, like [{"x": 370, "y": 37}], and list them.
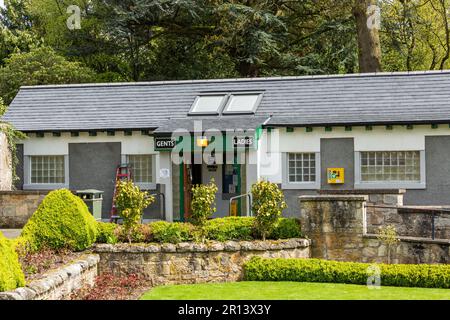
[{"x": 336, "y": 175}]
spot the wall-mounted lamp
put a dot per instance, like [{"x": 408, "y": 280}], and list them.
[{"x": 202, "y": 142}]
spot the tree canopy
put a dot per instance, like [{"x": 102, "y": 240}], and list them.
[{"x": 136, "y": 40}]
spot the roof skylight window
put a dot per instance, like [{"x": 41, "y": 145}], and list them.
[
  {"x": 208, "y": 104},
  {"x": 243, "y": 103}
]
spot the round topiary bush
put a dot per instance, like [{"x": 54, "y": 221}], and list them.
[
  {"x": 11, "y": 275},
  {"x": 62, "y": 220}
]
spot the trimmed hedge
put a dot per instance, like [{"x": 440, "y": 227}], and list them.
[
  {"x": 316, "y": 270},
  {"x": 163, "y": 231},
  {"x": 232, "y": 228},
  {"x": 243, "y": 228},
  {"x": 62, "y": 220},
  {"x": 286, "y": 229},
  {"x": 106, "y": 233},
  {"x": 11, "y": 275},
  {"x": 220, "y": 229}
]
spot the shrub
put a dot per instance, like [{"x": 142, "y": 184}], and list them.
[
  {"x": 388, "y": 235},
  {"x": 286, "y": 228},
  {"x": 130, "y": 204},
  {"x": 140, "y": 234},
  {"x": 268, "y": 205},
  {"x": 315, "y": 270},
  {"x": 220, "y": 229},
  {"x": 203, "y": 206},
  {"x": 176, "y": 232},
  {"x": 230, "y": 228},
  {"x": 62, "y": 220},
  {"x": 107, "y": 233},
  {"x": 11, "y": 275}
]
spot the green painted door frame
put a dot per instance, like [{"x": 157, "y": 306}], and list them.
[{"x": 238, "y": 169}]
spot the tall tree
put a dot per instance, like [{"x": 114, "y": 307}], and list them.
[
  {"x": 16, "y": 33},
  {"x": 37, "y": 67},
  {"x": 368, "y": 37}
]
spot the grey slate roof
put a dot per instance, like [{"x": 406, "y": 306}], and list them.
[
  {"x": 419, "y": 97},
  {"x": 221, "y": 123}
]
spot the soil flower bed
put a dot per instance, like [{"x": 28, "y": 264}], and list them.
[
  {"x": 110, "y": 287},
  {"x": 35, "y": 265}
]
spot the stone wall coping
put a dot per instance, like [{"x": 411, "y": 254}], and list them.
[
  {"x": 424, "y": 209},
  {"x": 52, "y": 279},
  {"x": 412, "y": 239},
  {"x": 336, "y": 197},
  {"x": 364, "y": 191},
  {"x": 24, "y": 193},
  {"x": 212, "y": 246}
]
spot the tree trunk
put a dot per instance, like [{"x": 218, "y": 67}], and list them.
[
  {"x": 388, "y": 254},
  {"x": 368, "y": 38}
]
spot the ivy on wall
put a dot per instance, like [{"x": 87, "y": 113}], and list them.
[{"x": 13, "y": 136}]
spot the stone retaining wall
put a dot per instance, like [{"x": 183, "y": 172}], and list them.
[
  {"x": 385, "y": 207},
  {"x": 59, "y": 284},
  {"x": 186, "y": 263},
  {"x": 16, "y": 207},
  {"x": 159, "y": 263},
  {"x": 336, "y": 224}
]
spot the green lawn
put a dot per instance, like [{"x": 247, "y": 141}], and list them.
[{"x": 291, "y": 291}]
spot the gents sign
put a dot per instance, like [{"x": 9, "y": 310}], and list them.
[
  {"x": 165, "y": 143},
  {"x": 243, "y": 141}
]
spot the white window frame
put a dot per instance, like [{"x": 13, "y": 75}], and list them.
[
  {"x": 359, "y": 184},
  {"x": 203, "y": 95},
  {"x": 44, "y": 186},
  {"x": 287, "y": 185},
  {"x": 145, "y": 186},
  {"x": 255, "y": 107}
]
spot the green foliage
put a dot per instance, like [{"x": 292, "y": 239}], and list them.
[
  {"x": 163, "y": 231},
  {"x": 106, "y": 233},
  {"x": 221, "y": 229},
  {"x": 286, "y": 229},
  {"x": 315, "y": 270},
  {"x": 11, "y": 275},
  {"x": 37, "y": 67},
  {"x": 203, "y": 202},
  {"x": 388, "y": 235},
  {"x": 13, "y": 136},
  {"x": 62, "y": 220},
  {"x": 230, "y": 228},
  {"x": 130, "y": 204},
  {"x": 242, "y": 228},
  {"x": 140, "y": 234},
  {"x": 2, "y": 107},
  {"x": 268, "y": 205}
]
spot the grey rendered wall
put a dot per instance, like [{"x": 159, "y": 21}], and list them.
[
  {"x": 93, "y": 166},
  {"x": 338, "y": 153},
  {"x": 291, "y": 198},
  {"x": 437, "y": 157},
  {"x": 18, "y": 184},
  {"x": 154, "y": 211},
  {"x": 334, "y": 153}
]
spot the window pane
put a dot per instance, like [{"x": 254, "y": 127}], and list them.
[
  {"x": 141, "y": 168},
  {"x": 47, "y": 169},
  {"x": 242, "y": 103},
  {"x": 390, "y": 166},
  {"x": 302, "y": 167},
  {"x": 208, "y": 104}
]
